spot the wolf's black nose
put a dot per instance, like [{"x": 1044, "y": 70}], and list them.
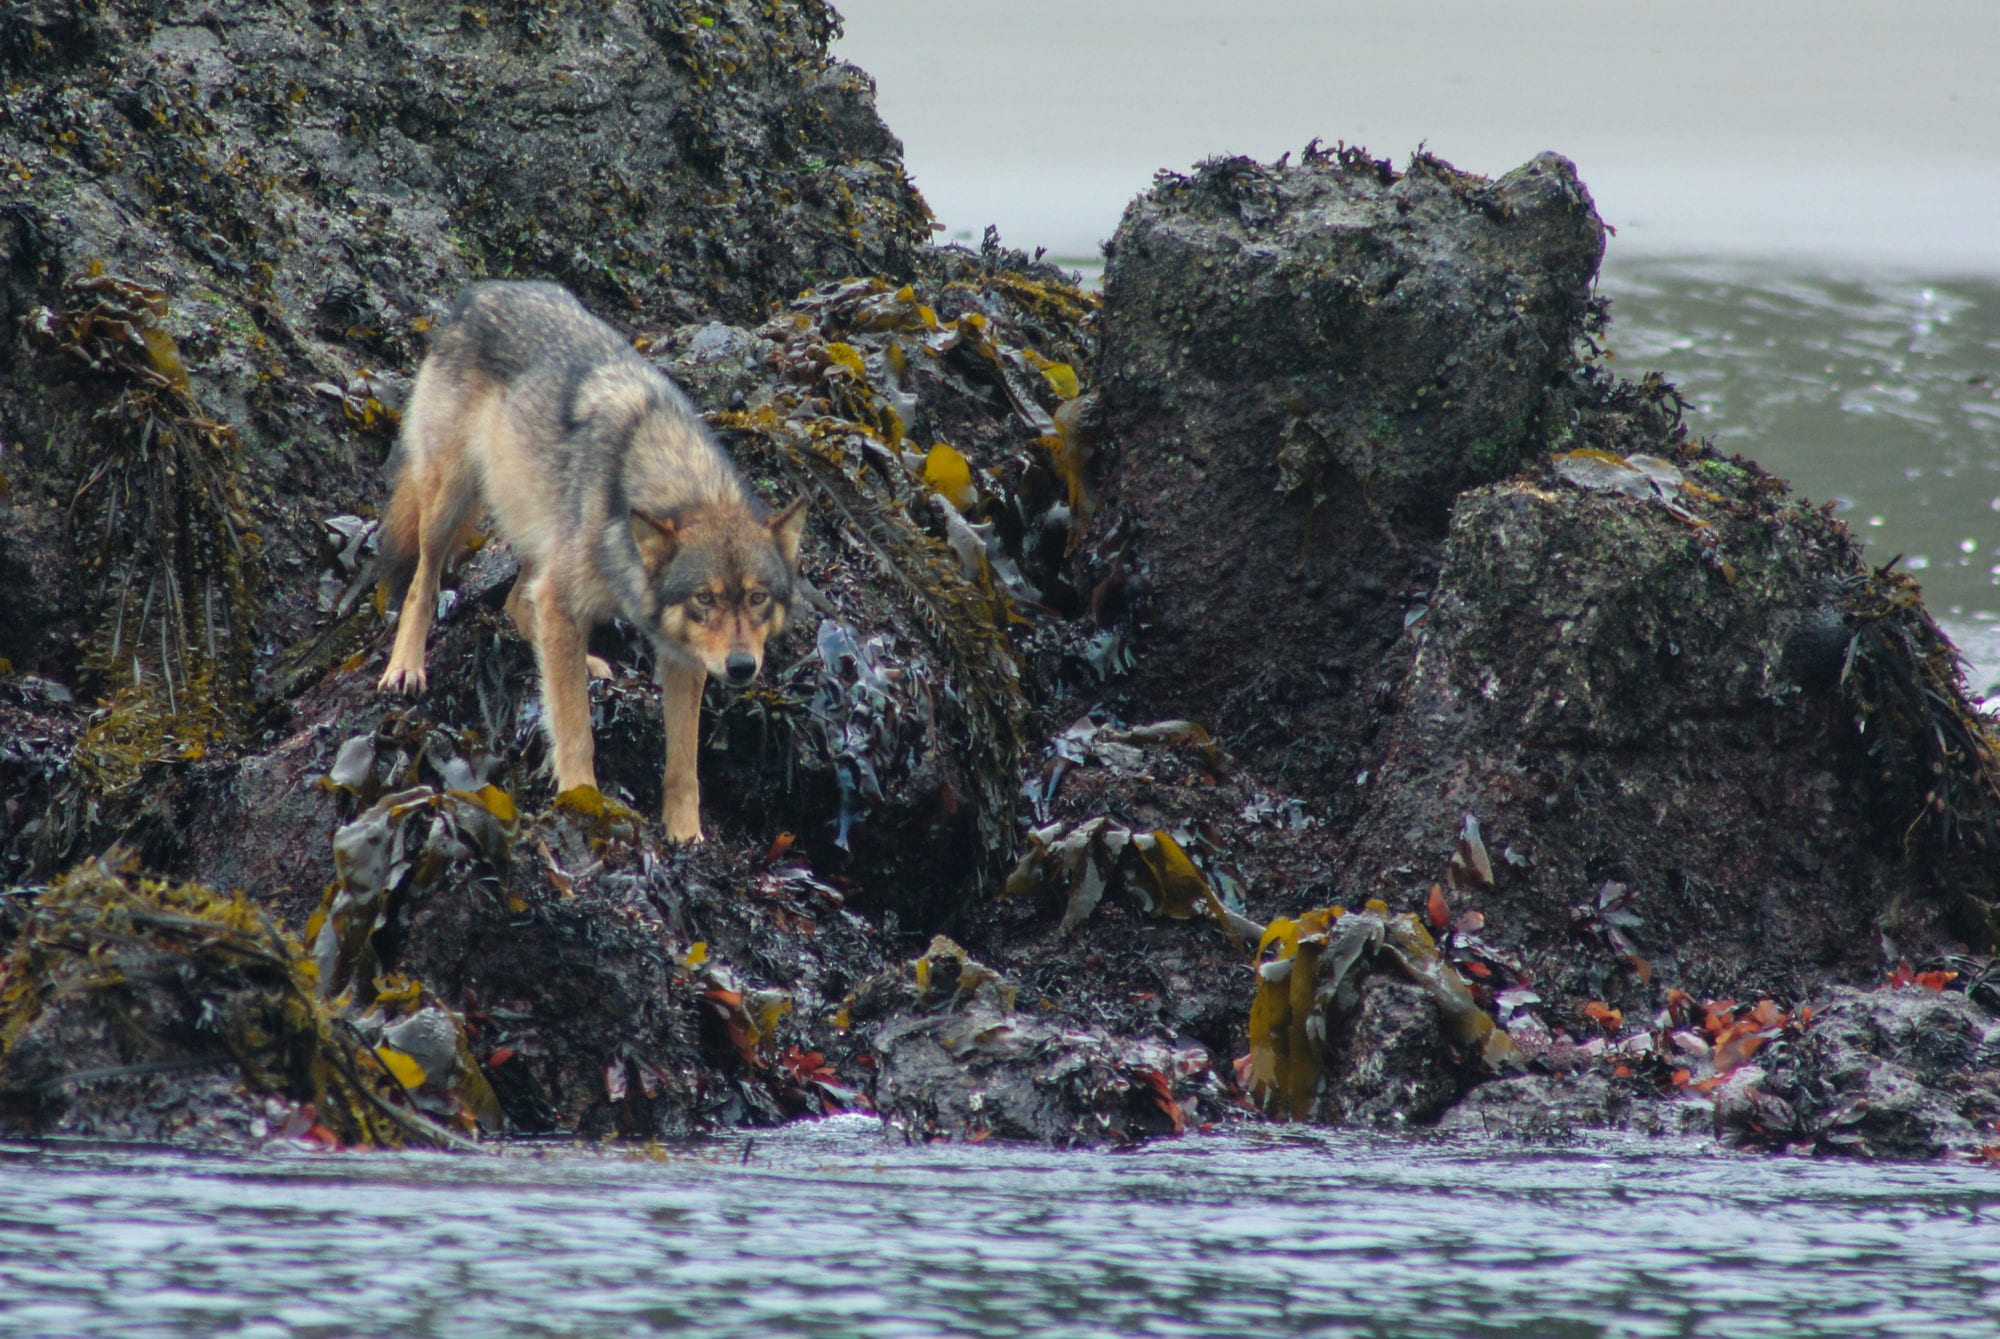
[{"x": 741, "y": 667}]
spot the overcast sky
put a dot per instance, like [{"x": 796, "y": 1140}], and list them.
[{"x": 1853, "y": 131}]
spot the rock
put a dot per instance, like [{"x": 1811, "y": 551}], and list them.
[
  {"x": 42, "y": 603},
  {"x": 38, "y": 732},
  {"x": 1647, "y": 717},
  {"x": 141, "y": 1010},
  {"x": 964, "y": 1065},
  {"x": 1892, "y": 1072},
  {"x": 1392, "y": 1068},
  {"x": 1901, "y": 1073},
  {"x": 1610, "y": 688},
  {"x": 1557, "y": 1106},
  {"x": 1301, "y": 367},
  {"x": 295, "y": 202}
]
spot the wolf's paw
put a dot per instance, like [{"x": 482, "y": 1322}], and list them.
[
  {"x": 598, "y": 666},
  {"x": 683, "y": 821},
  {"x": 402, "y": 679}
]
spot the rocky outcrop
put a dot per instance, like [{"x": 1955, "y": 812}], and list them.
[
  {"x": 1355, "y": 575},
  {"x": 1302, "y": 366},
  {"x": 225, "y": 234},
  {"x": 1634, "y": 700},
  {"x": 1909, "y": 1073},
  {"x": 1632, "y": 724}
]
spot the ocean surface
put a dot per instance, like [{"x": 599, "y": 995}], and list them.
[
  {"x": 1878, "y": 392},
  {"x": 830, "y": 1229}
]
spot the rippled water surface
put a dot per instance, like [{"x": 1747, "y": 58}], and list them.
[
  {"x": 1881, "y": 395},
  {"x": 830, "y": 1230}
]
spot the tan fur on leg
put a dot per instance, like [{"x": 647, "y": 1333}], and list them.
[
  {"x": 680, "y": 697},
  {"x": 445, "y": 492},
  {"x": 520, "y": 608},
  {"x": 559, "y": 643},
  {"x": 523, "y": 614},
  {"x": 405, "y": 673}
]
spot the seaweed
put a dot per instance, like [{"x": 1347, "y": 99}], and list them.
[
  {"x": 1928, "y": 752},
  {"x": 164, "y": 531},
  {"x": 115, "y": 978},
  {"x": 1308, "y": 975},
  {"x": 930, "y": 519}
]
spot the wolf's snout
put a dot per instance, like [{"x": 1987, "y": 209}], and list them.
[{"x": 741, "y": 667}]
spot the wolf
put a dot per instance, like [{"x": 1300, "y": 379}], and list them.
[{"x": 615, "y": 498}]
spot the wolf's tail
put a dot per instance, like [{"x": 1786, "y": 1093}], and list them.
[{"x": 397, "y": 545}]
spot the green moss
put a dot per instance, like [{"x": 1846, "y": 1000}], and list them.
[
  {"x": 1489, "y": 459},
  {"x": 1720, "y": 474}
]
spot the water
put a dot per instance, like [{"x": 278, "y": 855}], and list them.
[
  {"x": 1879, "y": 393},
  {"x": 831, "y": 1230},
  {"x": 1856, "y": 133}
]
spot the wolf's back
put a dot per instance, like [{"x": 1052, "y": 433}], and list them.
[
  {"x": 496, "y": 333},
  {"x": 506, "y": 330}
]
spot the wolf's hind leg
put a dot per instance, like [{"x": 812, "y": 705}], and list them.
[
  {"x": 680, "y": 697},
  {"x": 519, "y": 607}
]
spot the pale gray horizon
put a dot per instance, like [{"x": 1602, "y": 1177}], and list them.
[{"x": 1863, "y": 132}]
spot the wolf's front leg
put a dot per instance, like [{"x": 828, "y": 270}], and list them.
[
  {"x": 559, "y": 651},
  {"x": 425, "y": 516},
  {"x": 405, "y": 673},
  {"x": 680, "y": 697},
  {"x": 522, "y": 610}
]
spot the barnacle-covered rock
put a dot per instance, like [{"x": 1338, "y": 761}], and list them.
[
  {"x": 955, "y": 1059},
  {"x": 1620, "y": 686},
  {"x": 1892, "y": 1072},
  {"x": 1302, "y": 365},
  {"x": 1648, "y": 716}
]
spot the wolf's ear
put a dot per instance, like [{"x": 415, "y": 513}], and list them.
[
  {"x": 788, "y": 527},
  {"x": 657, "y": 539}
]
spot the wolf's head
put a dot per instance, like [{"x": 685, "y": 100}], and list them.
[{"x": 724, "y": 577}]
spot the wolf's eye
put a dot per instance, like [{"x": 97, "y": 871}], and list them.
[
  {"x": 705, "y": 598},
  {"x": 758, "y": 597}
]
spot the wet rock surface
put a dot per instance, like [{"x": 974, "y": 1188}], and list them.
[
  {"x": 1608, "y": 687},
  {"x": 1307, "y": 653},
  {"x": 1627, "y": 724},
  {"x": 967, "y": 1062},
  {"x": 307, "y": 194},
  {"x": 1910, "y": 1073},
  {"x": 1302, "y": 366}
]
